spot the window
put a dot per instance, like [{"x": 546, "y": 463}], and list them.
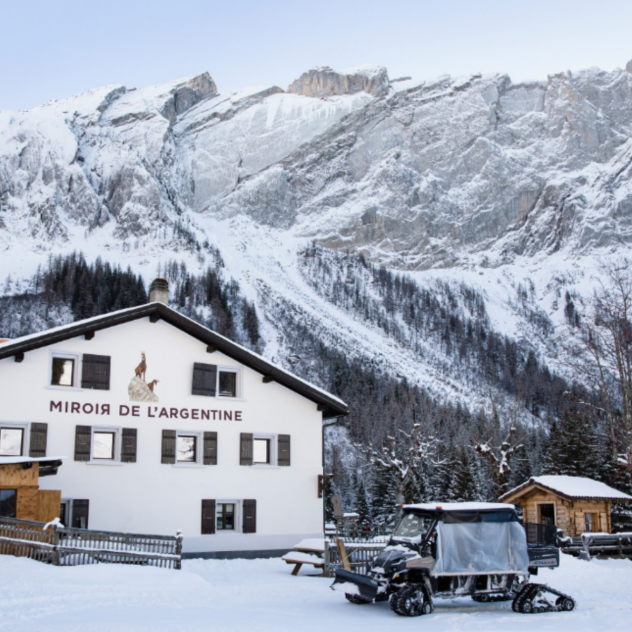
[
  {"x": 227, "y": 384},
  {"x": 103, "y": 445},
  {"x": 210, "y": 381},
  {"x": 591, "y": 521},
  {"x": 261, "y": 451},
  {"x": 11, "y": 441},
  {"x": 63, "y": 371},
  {"x": 225, "y": 514},
  {"x": 64, "y": 512},
  {"x": 8, "y": 502},
  {"x": 186, "y": 449},
  {"x": 547, "y": 513}
]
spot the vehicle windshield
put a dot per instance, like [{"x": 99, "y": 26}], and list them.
[{"x": 412, "y": 527}]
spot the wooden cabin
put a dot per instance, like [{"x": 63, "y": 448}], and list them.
[
  {"x": 574, "y": 504},
  {"x": 20, "y": 495}
]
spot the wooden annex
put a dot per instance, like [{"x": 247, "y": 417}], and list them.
[
  {"x": 574, "y": 504},
  {"x": 30, "y": 502}
]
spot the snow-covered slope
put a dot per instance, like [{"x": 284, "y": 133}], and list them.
[{"x": 517, "y": 190}]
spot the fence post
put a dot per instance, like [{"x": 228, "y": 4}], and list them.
[
  {"x": 178, "y": 563},
  {"x": 327, "y": 559},
  {"x": 55, "y": 557}
]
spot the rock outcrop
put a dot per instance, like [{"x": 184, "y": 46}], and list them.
[
  {"x": 325, "y": 82},
  {"x": 140, "y": 392}
]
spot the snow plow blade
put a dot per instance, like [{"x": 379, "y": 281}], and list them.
[{"x": 354, "y": 584}]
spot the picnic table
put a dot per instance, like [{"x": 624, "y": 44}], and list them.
[{"x": 308, "y": 551}]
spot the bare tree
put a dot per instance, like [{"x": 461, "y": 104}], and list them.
[
  {"x": 402, "y": 456},
  {"x": 499, "y": 451},
  {"x": 602, "y": 354}
]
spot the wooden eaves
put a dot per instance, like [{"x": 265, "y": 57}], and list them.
[{"x": 329, "y": 405}]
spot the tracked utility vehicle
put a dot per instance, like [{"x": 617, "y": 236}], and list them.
[{"x": 458, "y": 549}]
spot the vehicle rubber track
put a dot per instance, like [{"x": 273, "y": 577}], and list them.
[
  {"x": 487, "y": 598},
  {"x": 532, "y": 600}
]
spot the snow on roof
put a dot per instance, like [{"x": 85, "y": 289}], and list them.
[
  {"x": 573, "y": 487},
  {"x": 11, "y": 460},
  {"x": 471, "y": 506}
]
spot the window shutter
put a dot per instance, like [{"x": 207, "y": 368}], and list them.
[
  {"x": 95, "y": 372},
  {"x": 128, "y": 445},
  {"x": 284, "y": 450},
  {"x": 83, "y": 440},
  {"x": 208, "y": 517},
  {"x": 250, "y": 516},
  {"x": 245, "y": 453},
  {"x": 168, "y": 446},
  {"x": 204, "y": 379},
  {"x": 80, "y": 510},
  {"x": 37, "y": 444},
  {"x": 210, "y": 448}
]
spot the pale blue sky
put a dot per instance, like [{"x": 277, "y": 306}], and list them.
[{"x": 55, "y": 48}]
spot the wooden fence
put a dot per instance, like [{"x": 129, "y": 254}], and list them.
[
  {"x": 599, "y": 545},
  {"x": 65, "y": 546},
  {"x": 359, "y": 553}
]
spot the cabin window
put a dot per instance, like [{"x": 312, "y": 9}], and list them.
[
  {"x": 11, "y": 441},
  {"x": 591, "y": 522},
  {"x": 227, "y": 384},
  {"x": 186, "y": 448},
  {"x": 103, "y": 445},
  {"x": 261, "y": 451},
  {"x": 63, "y": 370},
  {"x": 8, "y": 503},
  {"x": 225, "y": 517}
]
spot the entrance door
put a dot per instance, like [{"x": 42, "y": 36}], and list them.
[{"x": 547, "y": 513}]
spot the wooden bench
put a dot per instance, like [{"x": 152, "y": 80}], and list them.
[{"x": 298, "y": 558}]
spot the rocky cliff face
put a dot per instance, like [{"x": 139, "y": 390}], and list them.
[{"x": 414, "y": 175}]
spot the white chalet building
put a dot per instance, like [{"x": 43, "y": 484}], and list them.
[{"x": 168, "y": 426}]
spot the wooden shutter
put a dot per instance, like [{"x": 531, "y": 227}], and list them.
[
  {"x": 37, "y": 444},
  {"x": 250, "y": 516},
  {"x": 208, "y": 517},
  {"x": 204, "y": 379},
  {"x": 128, "y": 445},
  {"x": 168, "y": 446},
  {"x": 210, "y": 448},
  {"x": 284, "y": 450},
  {"x": 83, "y": 440},
  {"x": 245, "y": 452},
  {"x": 80, "y": 510},
  {"x": 95, "y": 372}
]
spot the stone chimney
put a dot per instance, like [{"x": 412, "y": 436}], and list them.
[{"x": 159, "y": 291}]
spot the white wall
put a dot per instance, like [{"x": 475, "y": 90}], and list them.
[{"x": 148, "y": 496}]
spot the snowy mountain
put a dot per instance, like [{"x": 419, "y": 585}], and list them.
[{"x": 514, "y": 190}]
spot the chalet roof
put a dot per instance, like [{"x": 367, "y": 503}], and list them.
[
  {"x": 330, "y": 405},
  {"x": 570, "y": 487}
]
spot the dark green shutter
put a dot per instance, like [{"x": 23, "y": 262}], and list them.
[
  {"x": 210, "y": 448},
  {"x": 37, "y": 444},
  {"x": 128, "y": 445},
  {"x": 208, "y": 517},
  {"x": 95, "y": 372},
  {"x": 83, "y": 440},
  {"x": 245, "y": 451},
  {"x": 168, "y": 446},
  {"x": 204, "y": 379},
  {"x": 250, "y": 516},
  {"x": 80, "y": 511},
  {"x": 284, "y": 450}
]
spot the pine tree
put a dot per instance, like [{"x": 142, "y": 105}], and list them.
[
  {"x": 573, "y": 448},
  {"x": 462, "y": 486}
]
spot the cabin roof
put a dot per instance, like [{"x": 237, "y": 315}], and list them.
[
  {"x": 330, "y": 405},
  {"x": 569, "y": 487},
  {"x": 13, "y": 460}
]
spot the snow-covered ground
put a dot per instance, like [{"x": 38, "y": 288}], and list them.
[{"x": 261, "y": 595}]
